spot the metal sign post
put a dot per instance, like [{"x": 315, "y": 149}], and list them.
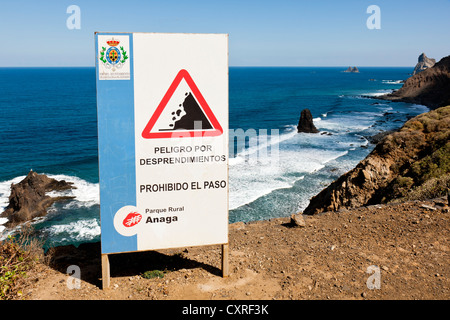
[{"x": 162, "y": 103}]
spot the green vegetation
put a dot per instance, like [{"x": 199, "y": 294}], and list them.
[
  {"x": 18, "y": 255},
  {"x": 434, "y": 165},
  {"x": 427, "y": 174},
  {"x": 153, "y": 274}
]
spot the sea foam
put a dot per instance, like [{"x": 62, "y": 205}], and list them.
[
  {"x": 81, "y": 230},
  {"x": 86, "y": 193},
  {"x": 392, "y": 81},
  {"x": 269, "y": 171}
]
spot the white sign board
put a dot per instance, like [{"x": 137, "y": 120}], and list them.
[{"x": 163, "y": 140}]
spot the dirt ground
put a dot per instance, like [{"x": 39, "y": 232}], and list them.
[{"x": 336, "y": 255}]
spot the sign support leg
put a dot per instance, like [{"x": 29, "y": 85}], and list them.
[
  {"x": 106, "y": 280},
  {"x": 225, "y": 253}
]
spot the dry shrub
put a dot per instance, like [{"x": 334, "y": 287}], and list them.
[
  {"x": 432, "y": 188},
  {"x": 413, "y": 126}
]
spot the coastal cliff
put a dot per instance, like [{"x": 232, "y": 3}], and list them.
[
  {"x": 411, "y": 163},
  {"x": 430, "y": 87},
  {"x": 423, "y": 63}
]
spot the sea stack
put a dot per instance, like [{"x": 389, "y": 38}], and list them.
[{"x": 305, "y": 124}]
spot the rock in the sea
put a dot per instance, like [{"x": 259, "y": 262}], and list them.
[
  {"x": 352, "y": 70},
  {"x": 28, "y": 198},
  {"x": 305, "y": 124},
  {"x": 423, "y": 63}
]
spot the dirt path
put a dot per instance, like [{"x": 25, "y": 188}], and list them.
[{"x": 408, "y": 244}]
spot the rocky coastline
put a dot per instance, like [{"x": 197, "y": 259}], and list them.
[
  {"x": 430, "y": 87},
  {"x": 327, "y": 255},
  {"x": 390, "y": 212},
  {"x": 412, "y": 162},
  {"x": 415, "y": 158}
]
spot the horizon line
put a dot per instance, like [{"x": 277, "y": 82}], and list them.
[{"x": 232, "y": 66}]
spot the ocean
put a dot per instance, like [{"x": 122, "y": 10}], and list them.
[{"x": 49, "y": 124}]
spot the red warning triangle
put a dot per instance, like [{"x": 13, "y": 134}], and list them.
[{"x": 190, "y": 114}]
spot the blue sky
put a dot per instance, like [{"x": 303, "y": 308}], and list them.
[{"x": 261, "y": 33}]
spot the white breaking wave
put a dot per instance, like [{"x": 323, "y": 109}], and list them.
[
  {"x": 5, "y": 191},
  {"x": 384, "y": 107},
  {"x": 86, "y": 193},
  {"x": 377, "y": 93},
  {"x": 81, "y": 230},
  {"x": 269, "y": 171},
  {"x": 392, "y": 81},
  {"x": 349, "y": 123},
  {"x": 254, "y": 174},
  {"x": 2, "y": 221}
]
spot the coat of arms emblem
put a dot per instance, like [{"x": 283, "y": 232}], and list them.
[{"x": 113, "y": 57}]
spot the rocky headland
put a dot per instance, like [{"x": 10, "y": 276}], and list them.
[{"x": 430, "y": 87}]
